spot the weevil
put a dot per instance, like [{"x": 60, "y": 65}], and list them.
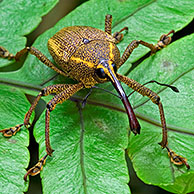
[{"x": 90, "y": 56}]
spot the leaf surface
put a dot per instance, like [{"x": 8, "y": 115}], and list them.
[{"x": 89, "y": 144}]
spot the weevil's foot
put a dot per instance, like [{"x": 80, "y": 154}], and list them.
[
  {"x": 8, "y": 132},
  {"x": 118, "y": 36},
  {"x": 49, "y": 151},
  {"x": 4, "y": 53},
  {"x": 36, "y": 168},
  {"x": 177, "y": 159},
  {"x": 27, "y": 125},
  {"x": 165, "y": 39},
  {"x": 163, "y": 144}
]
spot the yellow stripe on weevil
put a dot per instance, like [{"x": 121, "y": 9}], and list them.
[{"x": 78, "y": 60}]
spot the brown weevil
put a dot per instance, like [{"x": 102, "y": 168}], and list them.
[{"x": 90, "y": 56}]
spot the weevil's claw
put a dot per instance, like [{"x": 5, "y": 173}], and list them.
[
  {"x": 27, "y": 125},
  {"x": 4, "y": 53},
  {"x": 176, "y": 159},
  {"x": 165, "y": 40},
  {"x": 36, "y": 168},
  {"x": 8, "y": 132},
  {"x": 118, "y": 36}
]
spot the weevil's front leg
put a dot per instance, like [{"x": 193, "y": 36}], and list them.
[
  {"x": 8, "y": 132},
  {"x": 154, "y": 98},
  {"x": 165, "y": 39},
  {"x": 176, "y": 159},
  {"x": 66, "y": 93},
  {"x": 4, "y": 53},
  {"x": 37, "y": 168}
]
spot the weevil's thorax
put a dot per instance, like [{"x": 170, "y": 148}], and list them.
[{"x": 85, "y": 60}]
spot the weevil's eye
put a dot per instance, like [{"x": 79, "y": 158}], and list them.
[
  {"x": 114, "y": 67},
  {"x": 100, "y": 73}
]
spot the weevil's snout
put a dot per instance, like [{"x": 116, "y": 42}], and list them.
[{"x": 107, "y": 70}]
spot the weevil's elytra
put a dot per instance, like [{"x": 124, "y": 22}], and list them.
[{"x": 90, "y": 56}]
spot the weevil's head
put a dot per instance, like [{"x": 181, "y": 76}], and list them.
[{"x": 106, "y": 71}]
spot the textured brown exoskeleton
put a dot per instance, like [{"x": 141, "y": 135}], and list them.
[{"x": 90, "y": 56}]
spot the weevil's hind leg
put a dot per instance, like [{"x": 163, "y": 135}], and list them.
[
  {"x": 164, "y": 40},
  {"x": 154, "y": 98},
  {"x": 66, "y": 91}
]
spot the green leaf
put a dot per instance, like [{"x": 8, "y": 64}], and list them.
[
  {"x": 14, "y": 155},
  {"x": 89, "y": 151},
  {"x": 89, "y": 157},
  {"x": 19, "y": 18},
  {"x": 175, "y": 66}
]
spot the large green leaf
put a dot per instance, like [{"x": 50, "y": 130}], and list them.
[
  {"x": 19, "y": 18},
  {"x": 14, "y": 155},
  {"x": 89, "y": 151}
]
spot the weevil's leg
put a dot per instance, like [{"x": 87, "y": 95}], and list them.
[
  {"x": 108, "y": 28},
  {"x": 37, "y": 168},
  {"x": 41, "y": 57},
  {"x": 67, "y": 92},
  {"x": 165, "y": 39},
  {"x": 176, "y": 159},
  {"x": 108, "y": 24},
  {"x": 154, "y": 98},
  {"x": 59, "y": 98},
  {"x": 118, "y": 36},
  {"x": 8, "y": 132},
  {"x": 5, "y": 54}
]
